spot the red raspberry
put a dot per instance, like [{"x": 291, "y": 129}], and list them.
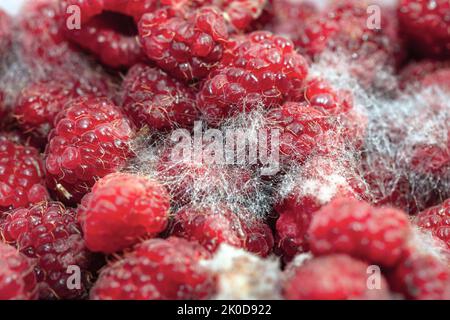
[
  {"x": 319, "y": 182},
  {"x": 90, "y": 140},
  {"x": 258, "y": 69},
  {"x": 302, "y": 129},
  {"x": 121, "y": 209},
  {"x": 334, "y": 277},
  {"x": 354, "y": 227},
  {"x": 421, "y": 276},
  {"x": 153, "y": 98},
  {"x": 187, "y": 47},
  {"x": 17, "y": 279},
  {"x": 239, "y": 14},
  {"x": 111, "y": 38},
  {"x": 437, "y": 220},
  {"x": 108, "y": 29},
  {"x": 439, "y": 78},
  {"x": 157, "y": 270},
  {"x": 40, "y": 37},
  {"x": 38, "y": 104},
  {"x": 49, "y": 233},
  {"x": 22, "y": 176},
  {"x": 5, "y": 33},
  {"x": 211, "y": 228},
  {"x": 343, "y": 28},
  {"x": 426, "y": 25}
]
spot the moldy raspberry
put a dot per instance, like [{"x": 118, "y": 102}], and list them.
[
  {"x": 22, "y": 175},
  {"x": 121, "y": 209},
  {"x": 157, "y": 269},
  {"x": 354, "y": 227},
  {"x": 258, "y": 69},
  {"x": 91, "y": 139},
  {"x": 151, "y": 97},
  {"x": 426, "y": 25},
  {"x": 212, "y": 227},
  {"x": 334, "y": 277},
  {"x": 49, "y": 233},
  {"x": 186, "y": 46},
  {"x": 17, "y": 279},
  {"x": 437, "y": 220}
]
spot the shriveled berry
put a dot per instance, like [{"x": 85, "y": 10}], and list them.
[
  {"x": 91, "y": 139},
  {"x": 212, "y": 227},
  {"x": 157, "y": 269},
  {"x": 49, "y": 233},
  {"x": 17, "y": 279},
  {"x": 334, "y": 277},
  {"x": 153, "y": 98},
  {"x": 377, "y": 235},
  {"x": 122, "y": 209}
]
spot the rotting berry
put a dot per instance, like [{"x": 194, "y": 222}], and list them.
[
  {"x": 437, "y": 220},
  {"x": 151, "y": 97}
]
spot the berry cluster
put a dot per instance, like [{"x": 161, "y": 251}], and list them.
[{"x": 136, "y": 138}]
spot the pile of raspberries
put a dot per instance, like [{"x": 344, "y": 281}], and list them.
[{"x": 89, "y": 87}]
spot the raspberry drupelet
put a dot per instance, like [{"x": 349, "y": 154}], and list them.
[
  {"x": 49, "y": 233},
  {"x": 22, "y": 175},
  {"x": 121, "y": 209},
  {"x": 354, "y": 227},
  {"x": 157, "y": 269},
  {"x": 91, "y": 139},
  {"x": 258, "y": 69},
  {"x": 212, "y": 227},
  {"x": 151, "y": 97},
  {"x": 17, "y": 278},
  {"x": 333, "y": 277},
  {"x": 187, "y": 46}
]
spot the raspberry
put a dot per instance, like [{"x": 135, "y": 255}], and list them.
[
  {"x": 421, "y": 277},
  {"x": 414, "y": 73},
  {"x": 40, "y": 37},
  {"x": 334, "y": 277},
  {"x": 17, "y": 279},
  {"x": 187, "y": 47},
  {"x": 157, "y": 270},
  {"x": 120, "y": 210},
  {"x": 21, "y": 175},
  {"x": 153, "y": 98},
  {"x": 354, "y": 227},
  {"x": 108, "y": 29},
  {"x": 5, "y": 33},
  {"x": 49, "y": 233},
  {"x": 111, "y": 38},
  {"x": 90, "y": 140},
  {"x": 319, "y": 182},
  {"x": 343, "y": 27},
  {"x": 439, "y": 78},
  {"x": 426, "y": 25},
  {"x": 38, "y": 103},
  {"x": 437, "y": 220},
  {"x": 211, "y": 228},
  {"x": 258, "y": 69},
  {"x": 302, "y": 129}
]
